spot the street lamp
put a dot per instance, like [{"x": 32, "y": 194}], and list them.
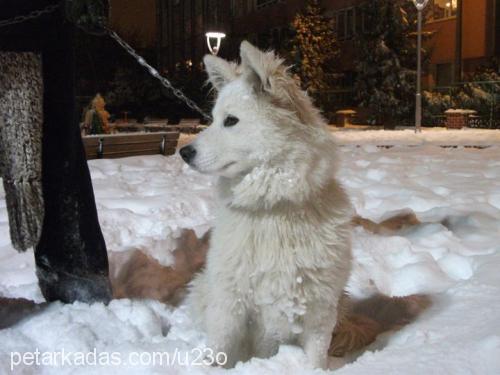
[
  {"x": 420, "y": 5},
  {"x": 218, "y": 36}
]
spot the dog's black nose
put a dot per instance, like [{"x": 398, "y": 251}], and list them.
[{"x": 188, "y": 153}]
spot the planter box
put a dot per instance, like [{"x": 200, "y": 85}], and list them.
[{"x": 458, "y": 118}]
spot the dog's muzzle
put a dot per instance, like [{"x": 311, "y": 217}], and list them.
[{"x": 188, "y": 153}]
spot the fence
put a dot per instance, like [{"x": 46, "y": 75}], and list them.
[{"x": 480, "y": 96}]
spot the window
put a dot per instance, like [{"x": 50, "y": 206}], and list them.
[
  {"x": 240, "y": 7},
  {"x": 236, "y": 8},
  {"x": 442, "y": 9},
  {"x": 187, "y": 19},
  {"x": 341, "y": 25},
  {"x": 346, "y": 23},
  {"x": 233, "y": 7},
  {"x": 198, "y": 16},
  {"x": 349, "y": 23},
  {"x": 444, "y": 75},
  {"x": 360, "y": 20}
]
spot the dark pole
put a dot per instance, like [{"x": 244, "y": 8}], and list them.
[
  {"x": 71, "y": 257},
  {"x": 420, "y": 5},
  {"x": 458, "y": 43},
  {"x": 193, "y": 31},
  {"x": 170, "y": 36},
  {"x": 418, "y": 104},
  {"x": 159, "y": 33}
]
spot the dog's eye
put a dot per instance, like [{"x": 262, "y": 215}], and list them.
[{"x": 230, "y": 121}]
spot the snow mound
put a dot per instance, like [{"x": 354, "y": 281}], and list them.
[{"x": 145, "y": 202}]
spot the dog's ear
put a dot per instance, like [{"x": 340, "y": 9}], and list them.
[
  {"x": 266, "y": 72},
  {"x": 220, "y": 72},
  {"x": 258, "y": 67}
]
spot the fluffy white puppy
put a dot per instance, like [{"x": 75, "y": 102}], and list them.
[{"x": 280, "y": 252}]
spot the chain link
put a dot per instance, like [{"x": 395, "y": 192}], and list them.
[
  {"x": 30, "y": 16},
  {"x": 164, "y": 81}
]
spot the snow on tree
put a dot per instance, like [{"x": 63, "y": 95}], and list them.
[
  {"x": 314, "y": 49},
  {"x": 386, "y": 63}
]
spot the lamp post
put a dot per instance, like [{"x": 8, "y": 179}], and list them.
[
  {"x": 420, "y": 5},
  {"x": 218, "y": 36}
]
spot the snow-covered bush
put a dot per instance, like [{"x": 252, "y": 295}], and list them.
[
  {"x": 480, "y": 93},
  {"x": 314, "y": 51},
  {"x": 435, "y": 103},
  {"x": 134, "y": 90},
  {"x": 385, "y": 67}
]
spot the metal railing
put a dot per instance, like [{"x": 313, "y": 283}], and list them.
[{"x": 481, "y": 96}]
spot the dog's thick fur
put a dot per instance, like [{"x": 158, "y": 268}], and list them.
[{"x": 280, "y": 252}]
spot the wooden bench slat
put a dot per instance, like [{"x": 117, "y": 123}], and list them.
[
  {"x": 138, "y": 138},
  {"x": 115, "y": 146},
  {"x": 125, "y": 154},
  {"x": 137, "y": 146},
  {"x": 90, "y": 141}
]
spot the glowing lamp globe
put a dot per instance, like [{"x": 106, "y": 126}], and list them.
[
  {"x": 420, "y": 4},
  {"x": 214, "y": 40}
]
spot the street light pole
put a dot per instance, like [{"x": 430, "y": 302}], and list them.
[{"x": 420, "y": 5}]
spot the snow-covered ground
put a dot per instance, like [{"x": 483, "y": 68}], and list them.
[
  {"x": 145, "y": 202},
  {"x": 428, "y": 136}
]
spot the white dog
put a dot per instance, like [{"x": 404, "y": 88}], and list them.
[{"x": 280, "y": 255}]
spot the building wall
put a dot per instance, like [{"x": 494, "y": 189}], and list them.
[
  {"x": 474, "y": 34},
  {"x": 477, "y": 41},
  {"x": 257, "y": 21},
  {"x": 474, "y": 26},
  {"x": 183, "y": 27},
  {"x": 135, "y": 20}
]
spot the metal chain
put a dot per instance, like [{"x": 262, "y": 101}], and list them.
[
  {"x": 164, "y": 81},
  {"x": 30, "y": 16}
]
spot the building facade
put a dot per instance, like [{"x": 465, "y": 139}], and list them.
[
  {"x": 135, "y": 20},
  {"x": 183, "y": 23},
  {"x": 479, "y": 43},
  {"x": 182, "y": 27}
]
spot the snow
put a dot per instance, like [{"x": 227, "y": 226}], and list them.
[
  {"x": 432, "y": 136},
  {"x": 145, "y": 202},
  {"x": 460, "y": 111},
  {"x": 453, "y": 255}
]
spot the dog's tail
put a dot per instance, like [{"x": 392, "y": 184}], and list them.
[{"x": 360, "y": 322}]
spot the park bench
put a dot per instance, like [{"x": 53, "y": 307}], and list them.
[
  {"x": 150, "y": 127},
  {"x": 122, "y": 145}
]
